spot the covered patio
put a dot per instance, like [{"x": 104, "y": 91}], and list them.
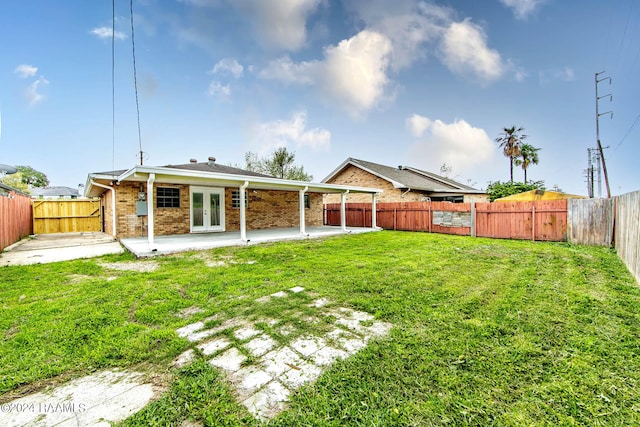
[{"x": 163, "y": 245}]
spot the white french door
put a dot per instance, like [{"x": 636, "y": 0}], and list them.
[{"x": 207, "y": 209}]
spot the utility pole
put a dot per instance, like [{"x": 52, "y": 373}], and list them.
[{"x": 598, "y": 114}]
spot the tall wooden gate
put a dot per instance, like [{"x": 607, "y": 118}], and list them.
[{"x": 66, "y": 216}]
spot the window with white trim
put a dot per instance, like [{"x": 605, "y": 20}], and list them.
[
  {"x": 168, "y": 197},
  {"x": 235, "y": 199}
]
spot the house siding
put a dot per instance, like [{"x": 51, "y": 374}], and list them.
[{"x": 266, "y": 209}]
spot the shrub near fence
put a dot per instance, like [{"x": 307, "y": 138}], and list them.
[
  {"x": 15, "y": 218},
  {"x": 540, "y": 220}
]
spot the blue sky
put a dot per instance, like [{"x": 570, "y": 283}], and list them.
[{"x": 417, "y": 83}]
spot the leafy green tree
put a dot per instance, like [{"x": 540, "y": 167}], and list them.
[
  {"x": 280, "y": 163},
  {"x": 16, "y": 181},
  {"x": 510, "y": 140},
  {"x": 32, "y": 177},
  {"x": 528, "y": 156},
  {"x": 497, "y": 190}
]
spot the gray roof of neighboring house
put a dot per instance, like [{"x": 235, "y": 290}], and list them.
[
  {"x": 59, "y": 191},
  {"x": 407, "y": 177}
]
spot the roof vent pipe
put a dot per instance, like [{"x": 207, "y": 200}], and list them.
[
  {"x": 401, "y": 167},
  {"x": 193, "y": 161},
  {"x": 212, "y": 159}
]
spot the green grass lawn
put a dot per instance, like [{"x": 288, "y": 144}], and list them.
[{"x": 486, "y": 332}]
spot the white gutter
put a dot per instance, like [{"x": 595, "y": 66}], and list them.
[
  {"x": 243, "y": 215},
  {"x": 255, "y": 181},
  {"x": 150, "y": 216},
  {"x": 301, "y": 205},
  {"x": 113, "y": 204}
]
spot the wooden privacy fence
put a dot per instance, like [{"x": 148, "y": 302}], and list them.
[
  {"x": 627, "y": 230},
  {"x": 66, "y": 216},
  {"x": 540, "y": 220},
  {"x": 590, "y": 221},
  {"x": 15, "y": 218}
]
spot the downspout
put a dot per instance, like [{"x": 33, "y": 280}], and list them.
[
  {"x": 113, "y": 205},
  {"x": 243, "y": 214},
  {"x": 405, "y": 193},
  {"x": 150, "y": 213},
  {"x": 303, "y": 230}
]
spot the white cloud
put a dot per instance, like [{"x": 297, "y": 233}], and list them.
[
  {"x": 353, "y": 73},
  {"x": 107, "y": 32},
  {"x": 464, "y": 50},
  {"x": 522, "y": 8},
  {"x": 228, "y": 66},
  {"x": 410, "y": 25},
  {"x": 289, "y": 72},
  {"x": 281, "y": 133},
  {"x": 465, "y": 148},
  {"x": 220, "y": 91},
  {"x": 418, "y": 124},
  {"x": 564, "y": 74},
  {"x": 25, "y": 71},
  {"x": 279, "y": 23},
  {"x": 32, "y": 93}
]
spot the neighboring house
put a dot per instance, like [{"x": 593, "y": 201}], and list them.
[
  {"x": 400, "y": 184},
  {"x": 54, "y": 193},
  {"x": 206, "y": 197}
]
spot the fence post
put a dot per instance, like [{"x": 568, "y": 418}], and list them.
[
  {"x": 533, "y": 222},
  {"x": 394, "y": 219},
  {"x": 473, "y": 219}
]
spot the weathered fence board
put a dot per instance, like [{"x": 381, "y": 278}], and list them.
[
  {"x": 66, "y": 216},
  {"x": 15, "y": 218},
  {"x": 590, "y": 221},
  {"x": 627, "y": 231}
]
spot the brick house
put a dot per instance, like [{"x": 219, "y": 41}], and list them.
[
  {"x": 400, "y": 184},
  {"x": 206, "y": 197}
]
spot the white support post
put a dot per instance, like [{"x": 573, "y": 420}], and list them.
[
  {"x": 373, "y": 211},
  {"x": 113, "y": 206},
  {"x": 150, "y": 219},
  {"x": 243, "y": 213},
  {"x": 301, "y": 205},
  {"x": 343, "y": 211}
]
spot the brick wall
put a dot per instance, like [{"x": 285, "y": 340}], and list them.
[
  {"x": 352, "y": 175},
  {"x": 266, "y": 209},
  {"x": 355, "y": 176},
  {"x": 272, "y": 209}
]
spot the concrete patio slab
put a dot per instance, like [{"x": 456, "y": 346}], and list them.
[
  {"x": 199, "y": 241},
  {"x": 46, "y": 248}
]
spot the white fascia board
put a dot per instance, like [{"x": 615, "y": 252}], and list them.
[{"x": 171, "y": 175}]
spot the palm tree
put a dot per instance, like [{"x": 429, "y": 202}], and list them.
[
  {"x": 528, "y": 155},
  {"x": 510, "y": 141}
]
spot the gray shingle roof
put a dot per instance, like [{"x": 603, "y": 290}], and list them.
[
  {"x": 54, "y": 192},
  {"x": 408, "y": 177},
  {"x": 217, "y": 168}
]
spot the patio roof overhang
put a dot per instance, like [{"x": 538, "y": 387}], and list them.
[{"x": 166, "y": 175}]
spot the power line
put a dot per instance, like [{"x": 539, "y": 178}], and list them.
[
  {"x": 113, "y": 85},
  {"x": 135, "y": 82},
  {"x": 628, "y": 132}
]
